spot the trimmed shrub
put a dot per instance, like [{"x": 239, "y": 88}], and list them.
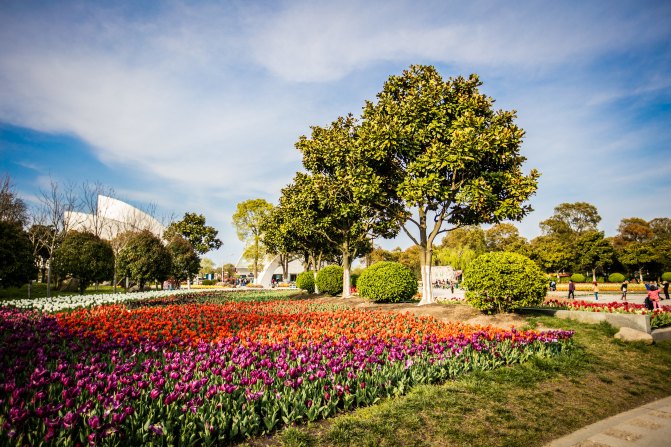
[
  {"x": 666, "y": 276},
  {"x": 354, "y": 279},
  {"x": 616, "y": 277},
  {"x": 306, "y": 281},
  {"x": 578, "y": 277},
  {"x": 329, "y": 280},
  {"x": 503, "y": 281},
  {"x": 208, "y": 282},
  {"x": 387, "y": 282}
]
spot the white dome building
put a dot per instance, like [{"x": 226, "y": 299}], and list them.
[{"x": 112, "y": 218}]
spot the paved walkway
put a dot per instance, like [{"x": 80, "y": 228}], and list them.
[{"x": 645, "y": 426}]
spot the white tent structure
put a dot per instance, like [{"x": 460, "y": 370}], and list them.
[{"x": 271, "y": 267}]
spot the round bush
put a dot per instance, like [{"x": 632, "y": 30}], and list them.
[
  {"x": 306, "y": 281},
  {"x": 208, "y": 282},
  {"x": 503, "y": 281},
  {"x": 329, "y": 280},
  {"x": 578, "y": 277},
  {"x": 616, "y": 277},
  {"x": 354, "y": 279},
  {"x": 666, "y": 276},
  {"x": 387, "y": 282}
]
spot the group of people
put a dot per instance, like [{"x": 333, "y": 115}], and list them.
[
  {"x": 653, "y": 292},
  {"x": 444, "y": 284}
]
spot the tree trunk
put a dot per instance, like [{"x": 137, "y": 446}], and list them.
[
  {"x": 49, "y": 279},
  {"x": 345, "y": 273},
  {"x": 640, "y": 274},
  {"x": 114, "y": 279},
  {"x": 593, "y": 275},
  {"x": 425, "y": 255}
]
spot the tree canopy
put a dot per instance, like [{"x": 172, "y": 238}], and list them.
[
  {"x": 85, "y": 257},
  {"x": 16, "y": 255},
  {"x": 144, "y": 258},
  {"x": 185, "y": 262},
  {"x": 571, "y": 219},
  {"x": 202, "y": 238},
  {"x": 352, "y": 191},
  {"x": 453, "y": 159},
  {"x": 248, "y": 221}
]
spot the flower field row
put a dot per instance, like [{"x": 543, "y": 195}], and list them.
[
  {"x": 60, "y": 303},
  {"x": 207, "y": 374},
  {"x": 658, "y": 318}
]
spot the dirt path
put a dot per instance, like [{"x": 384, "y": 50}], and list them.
[{"x": 444, "y": 312}]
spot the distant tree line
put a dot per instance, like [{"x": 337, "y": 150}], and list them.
[{"x": 42, "y": 244}]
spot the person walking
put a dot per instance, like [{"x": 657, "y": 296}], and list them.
[
  {"x": 666, "y": 290},
  {"x": 653, "y": 294},
  {"x": 624, "y": 290},
  {"x": 595, "y": 289},
  {"x": 571, "y": 289}
]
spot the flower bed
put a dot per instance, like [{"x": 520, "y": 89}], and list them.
[
  {"x": 658, "y": 318},
  {"x": 57, "y": 304},
  {"x": 206, "y": 374}
]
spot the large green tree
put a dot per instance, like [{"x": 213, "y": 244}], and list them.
[
  {"x": 594, "y": 252},
  {"x": 572, "y": 219},
  {"x": 144, "y": 258},
  {"x": 248, "y": 220},
  {"x": 84, "y": 256},
  {"x": 202, "y": 238},
  {"x": 302, "y": 219},
  {"x": 16, "y": 255},
  {"x": 552, "y": 253},
  {"x": 353, "y": 191},
  {"x": 184, "y": 259},
  {"x": 278, "y": 239},
  {"x": 506, "y": 237},
  {"x": 454, "y": 160}
]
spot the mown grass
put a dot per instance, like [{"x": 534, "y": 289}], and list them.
[{"x": 525, "y": 405}]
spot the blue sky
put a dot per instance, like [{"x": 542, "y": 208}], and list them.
[{"x": 196, "y": 106}]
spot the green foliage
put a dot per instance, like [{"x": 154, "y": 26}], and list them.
[
  {"x": 192, "y": 227},
  {"x": 185, "y": 262},
  {"x": 144, "y": 258},
  {"x": 502, "y": 281},
  {"x": 86, "y": 257},
  {"x": 354, "y": 279},
  {"x": 578, "y": 277},
  {"x": 329, "y": 280},
  {"x": 248, "y": 221},
  {"x": 306, "y": 281},
  {"x": 593, "y": 251},
  {"x": 16, "y": 256},
  {"x": 616, "y": 277},
  {"x": 455, "y": 160},
  {"x": 666, "y": 276},
  {"x": 208, "y": 282},
  {"x": 571, "y": 219},
  {"x": 387, "y": 282}
]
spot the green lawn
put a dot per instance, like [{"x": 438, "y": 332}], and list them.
[{"x": 524, "y": 405}]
